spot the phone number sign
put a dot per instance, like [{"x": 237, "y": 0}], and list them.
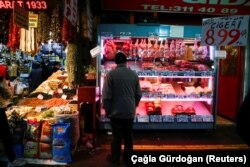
[
  {"x": 223, "y": 31},
  {"x": 211, "y": 7}
]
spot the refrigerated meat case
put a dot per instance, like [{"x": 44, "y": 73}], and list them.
[{"x": 177, "y": 77}]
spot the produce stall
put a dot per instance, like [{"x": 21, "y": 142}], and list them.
[
  {"x": 45, "y": 125},
  {"x": 177, "y": 75}
]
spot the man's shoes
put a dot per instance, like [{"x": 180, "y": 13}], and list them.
[
  {"x": 113, "y": 160},
  {"x": 17, "y": 162}
]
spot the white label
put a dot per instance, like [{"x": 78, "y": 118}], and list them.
[
  {"x": 40, "y": 97},
  {"x": 220, "y": 54},
  {"x": 65, "y": 87},
  {"x": 177, "y": 31},
  {"x": 60, "y": 91},
  {"x": 51, "y": 92},
  {"x": 64, "y": 97},
  {"x": 95, "y": 51}
]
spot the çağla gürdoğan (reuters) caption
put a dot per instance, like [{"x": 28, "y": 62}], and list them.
[{"x": 192, "y": 158}]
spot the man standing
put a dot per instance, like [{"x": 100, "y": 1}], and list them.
[{"x": 121, "y": 95}]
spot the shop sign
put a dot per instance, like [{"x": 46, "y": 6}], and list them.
[
  {"x": 33, "y": 20},
  {"x": 224, "y": 31},
  {"x": 70, "y": 11},
  {"x": 218, "y": 7},
  {"x": 27, "y": 4},
  {"x": 21, "y": 17}
]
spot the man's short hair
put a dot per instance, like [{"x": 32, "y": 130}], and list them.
[{"x": 120, "y": 58}]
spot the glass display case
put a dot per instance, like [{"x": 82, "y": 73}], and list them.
[{"x": 177, "y": 78}]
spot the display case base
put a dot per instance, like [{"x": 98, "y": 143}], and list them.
[{"x": 163, "y": 126}]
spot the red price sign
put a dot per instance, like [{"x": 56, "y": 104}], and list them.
[
  {"x": 225, "y": 31},
  {"x": 224, "y": 35}
]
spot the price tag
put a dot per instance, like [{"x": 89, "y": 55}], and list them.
[
  {"x": 64, "y": 97},
  {"x": 167, "y": 73},
  {"x": 168, "y": 118},
  {"x": 40, "y": 108},
  {"x": 60, "y": 91},
  {"x": 182, "y": 118},
  {"x": 180, "y": 96},
  {"x": 159, "y": 73},
  {"x": 51, "y": 92},
  {"x": 208, "y": 118},
  {"x": 40, "y": 96},
  {"x": 206, "y": 73},
  {"x": 191, "y": 73},
  {"x": 170, "y": 96},
  {"x": 155, "y": 118},
  {"x": 203, "y": 73},
  {"x": 24, "y": 75},
  {"x": 65, "y": 87},
  {"x": 224, "y": 31},
  {"x": 170, "y": 73},
  {"x": 187, "y": 73},
  {"x": 143, "y": 118},
  {"x": 95, "y": 51},
  {"x": 220, "y": 54},
  {"x": 196, "y": 118}
]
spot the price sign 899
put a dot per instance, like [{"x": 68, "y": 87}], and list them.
[{"x": 225, "y": 31}]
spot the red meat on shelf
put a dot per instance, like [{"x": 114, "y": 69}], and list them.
[
  {"x": 190, "y": 111},
  {"x": 178, "y": 109}
]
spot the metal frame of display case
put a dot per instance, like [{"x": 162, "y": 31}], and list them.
[{"x": 125, "y": 31}]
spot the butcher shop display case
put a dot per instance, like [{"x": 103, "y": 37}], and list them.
[{"x": 177, "y": 78}]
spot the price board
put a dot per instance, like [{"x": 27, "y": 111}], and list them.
[{"x": 223, "y": 31}]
